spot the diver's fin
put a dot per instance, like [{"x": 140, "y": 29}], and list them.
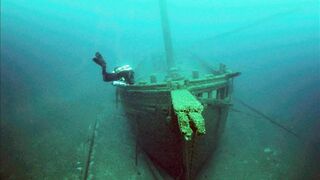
[{"x": 98, "y": 59}]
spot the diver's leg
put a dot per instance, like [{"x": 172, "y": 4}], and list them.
[
  {"x": 110, "y": 76},
  {"x": 99, "y": 60},
  {"x": 104, "y": 74}
]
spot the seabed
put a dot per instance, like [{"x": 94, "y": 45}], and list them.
[{"x": 245, "y": 151}]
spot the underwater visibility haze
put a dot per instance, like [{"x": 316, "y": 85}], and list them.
[{"x": 58, "y": 117}]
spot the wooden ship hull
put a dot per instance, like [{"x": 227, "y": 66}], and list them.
[
  {"x": 153, "y": 111},
  {"x": 177, "y": 122}
]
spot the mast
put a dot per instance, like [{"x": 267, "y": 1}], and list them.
[{"x": 166, "y": 34}]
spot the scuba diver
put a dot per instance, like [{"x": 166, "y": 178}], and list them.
[{"x": 120, "y": 75}]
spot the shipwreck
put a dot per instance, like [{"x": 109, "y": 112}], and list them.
[{"x": 178, "y": 121}]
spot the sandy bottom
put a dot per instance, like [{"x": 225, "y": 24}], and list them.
[{"x": 250, "y": 148}]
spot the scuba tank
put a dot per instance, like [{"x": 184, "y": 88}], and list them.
[
  {"x": 122, "y": 68},
  {"x": 125, "y": 73}
]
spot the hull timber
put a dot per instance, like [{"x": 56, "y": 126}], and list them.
[{"x": 150, "y": 111}]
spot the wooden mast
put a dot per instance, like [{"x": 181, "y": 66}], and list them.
[{"x": 166, "y": 34}]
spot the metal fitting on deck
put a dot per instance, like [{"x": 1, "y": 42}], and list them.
[
  {"x": 153, "y": 78},
  {"x": 195, "y": 74}
]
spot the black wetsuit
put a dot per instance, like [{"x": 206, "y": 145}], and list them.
[
  {"x": 128, "y": 76},
  {"x": 125, "y": 75}
]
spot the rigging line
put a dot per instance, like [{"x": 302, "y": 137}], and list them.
[
  {"x": 210, "y": 67},
  {"x": 316, "y": 147},
  {"x": 242, "y": 28},
  {"x": 268, "y": 118},
  {"x": 204, "y": 63},
  {"x": 250, "y": 25},
  {"x": 90, "y": 153},
  {"x": 245, "y": 113}
]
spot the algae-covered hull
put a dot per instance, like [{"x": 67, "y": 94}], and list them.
[{"x": 151, "y": 111}]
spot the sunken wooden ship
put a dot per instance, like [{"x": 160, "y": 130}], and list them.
[{"x": 178, "y": 121}]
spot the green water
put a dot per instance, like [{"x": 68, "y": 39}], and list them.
[{"x": 52, "y": 93}]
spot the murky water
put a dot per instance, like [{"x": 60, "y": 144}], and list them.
[{"x": 52, "y": 93}]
